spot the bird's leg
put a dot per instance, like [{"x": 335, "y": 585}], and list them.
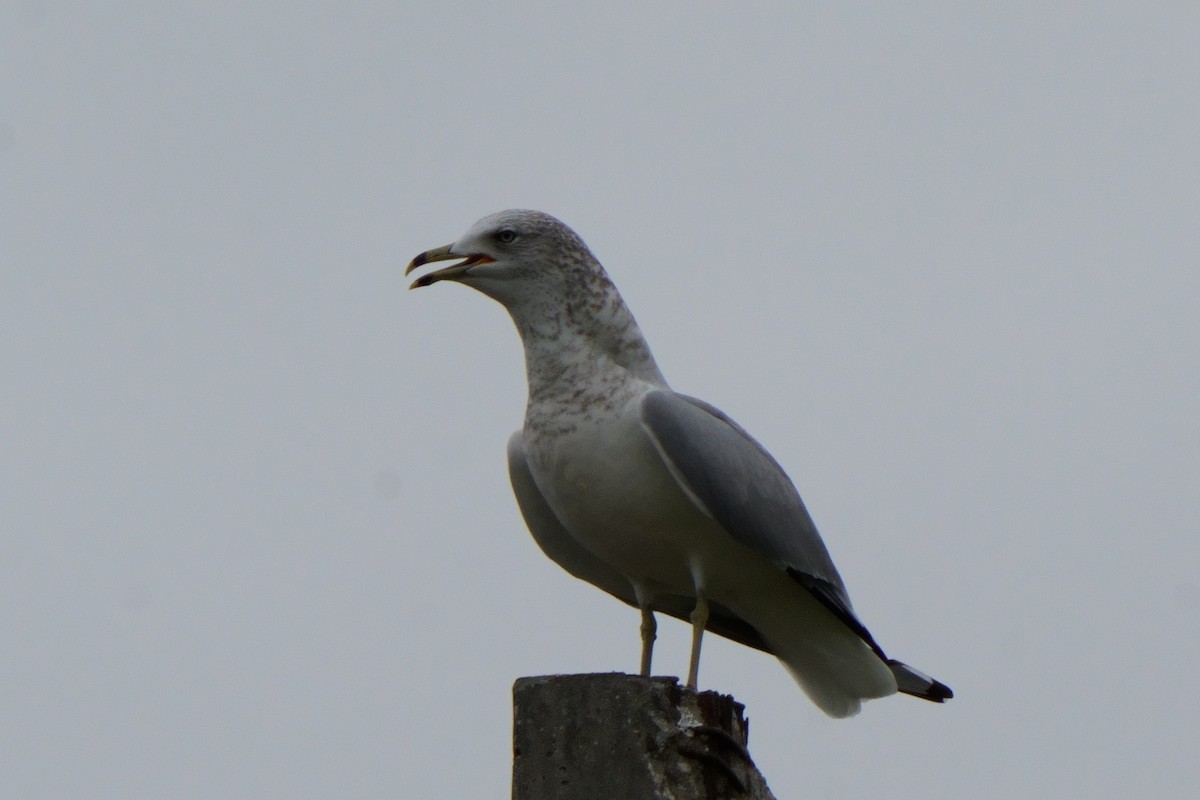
[
  {"x": 649, "y": 626},
  {"x": 649, "y": 632},
  {"x": 699, "y": 620}
]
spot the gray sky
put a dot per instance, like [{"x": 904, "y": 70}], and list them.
[{"x": 256, "y": 534}]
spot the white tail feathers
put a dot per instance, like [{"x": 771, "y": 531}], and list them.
[
  {"x": 833, "y": 664},
  {"x": 834, "y": 667},
  {"x": 840, "y": 692}
]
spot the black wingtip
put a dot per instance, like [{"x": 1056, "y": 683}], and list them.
[
  {"x": 913, "y": 682},
  {"x": 936, "y": 692}
]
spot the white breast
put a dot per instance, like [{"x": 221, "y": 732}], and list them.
[{"x": 610, "y": 488}]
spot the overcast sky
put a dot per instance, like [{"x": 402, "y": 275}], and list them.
[{"x": 256, "y": 533}]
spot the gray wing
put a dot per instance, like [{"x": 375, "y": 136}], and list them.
[
  {"x": 561, "y": 548},
  {"x": 744, "y": 489}
]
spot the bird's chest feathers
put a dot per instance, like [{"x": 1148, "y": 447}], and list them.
[{"x": 605, "y": 480}]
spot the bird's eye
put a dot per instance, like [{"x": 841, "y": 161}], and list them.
[{"x": 506, "y": 235}]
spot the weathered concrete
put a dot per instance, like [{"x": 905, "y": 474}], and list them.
[{"x": 601, "y": 736}]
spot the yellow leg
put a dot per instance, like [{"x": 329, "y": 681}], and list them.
[
  {"x": 699, "y": 620},
  {"x": 649, "y": 633},
  {"x": 649, "y": 626}
]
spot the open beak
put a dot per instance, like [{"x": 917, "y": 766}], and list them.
[{"x": 450, "y": 273}]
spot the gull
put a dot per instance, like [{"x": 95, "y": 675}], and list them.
[{"x": 658, "y": 498}]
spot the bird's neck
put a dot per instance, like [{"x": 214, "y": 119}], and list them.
[{"x": 569, "y": 352}]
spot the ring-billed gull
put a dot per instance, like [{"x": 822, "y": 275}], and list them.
[{"x": 655, "y": 497}]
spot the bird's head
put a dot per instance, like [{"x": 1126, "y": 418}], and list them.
[{"x": 505, "y": 255}]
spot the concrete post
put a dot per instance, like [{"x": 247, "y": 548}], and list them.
[{"x": 601, "y": 736}]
